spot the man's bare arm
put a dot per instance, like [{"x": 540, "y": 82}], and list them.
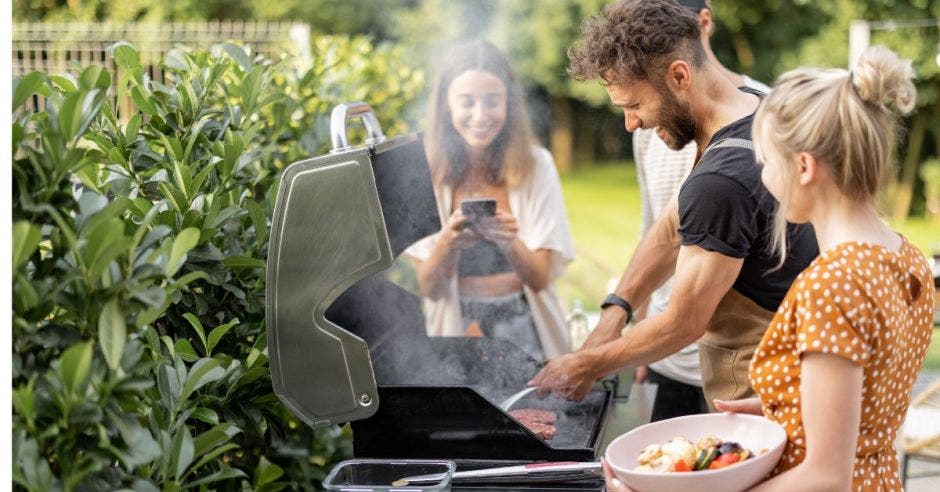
[
  {"x": 653, "y": 262},
  {"x": 702, "y": 279}
]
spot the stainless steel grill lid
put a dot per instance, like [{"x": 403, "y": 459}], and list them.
[{"x": 338, "y": 219}]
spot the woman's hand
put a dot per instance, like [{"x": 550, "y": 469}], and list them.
[
  {"x": 457, "y": 232},
  {"x": 502, "y": 229},
  {"x": 611, "y": 481},
  {"x": 750, "y": 406}
]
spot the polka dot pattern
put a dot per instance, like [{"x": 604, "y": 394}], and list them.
[{"x": 865, "y": 304}]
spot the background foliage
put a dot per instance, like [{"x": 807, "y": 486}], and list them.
[{"x": 139, "y": 356}]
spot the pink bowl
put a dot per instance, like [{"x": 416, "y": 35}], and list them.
[{"x": 753, "y": 432}]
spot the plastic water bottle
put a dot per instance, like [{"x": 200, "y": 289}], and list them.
[{"x": 578, "y": 325}]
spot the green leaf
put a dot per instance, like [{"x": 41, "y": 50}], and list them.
[
  {"x": 218, "y": 333},
  {"x": 257, "y": 349},
  {"x": 25, "y": 296},
  {"x": 183, "y": 178},
  {"x": 125, "y": 55},
  {"x": 266, "y": 472},
  {"x": 212, "y": 455},
  {"x": 185, "y": 241},
  {"x": 133, "y": 126},
  {"x": 75, "y": 367},
  {"x": 197, "y": 325},
  {"x": 25, "y": 241},
  {"x": 104, "y": 243},
  {"x": 226, "y": 473},
  {"x": 150, "y": 315},
  {"x": 142, "y": 100},
  {"x": 112, "y": 333},
  {"x": 189, "y": 277},
  {"x": 30, "y": 468},
  {"x": 24, "y": 402},
  {"x": 238, "y": 261},
  {"x": 206, "y": 415},
  {"x": 65, "y": 84},
  {"x": 26, "y": 86},
  {"x": 168, "y": 385},
  {"x": 183, "y": 451},
  {"x": 94, "y": 77},
  {"x": 238, "y": 54},
  {"x": 203, "y": 372},
  {"x": 184, "y": 350},
  {"x": 195, "y": 133},
  {"x": 214, "y": 437},
  {"x": 78, "y": 111},
  {"x": 176, "y": 199}
]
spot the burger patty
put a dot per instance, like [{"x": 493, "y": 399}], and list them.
[
  {"x": 533, "y": 415},
  {"x": 540, "y": 422}
]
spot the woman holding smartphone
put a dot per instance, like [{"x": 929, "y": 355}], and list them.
[{"x": 492, "y": 266}]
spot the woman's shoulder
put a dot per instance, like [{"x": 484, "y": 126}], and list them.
[
  {"x": 543, "y": 164},
  {"x": 542, "y": 156}
]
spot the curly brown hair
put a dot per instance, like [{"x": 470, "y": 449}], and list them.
[{"x": 636, "y": 39}]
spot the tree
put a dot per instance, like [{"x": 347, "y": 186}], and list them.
[{"x": 920, "y": 44}]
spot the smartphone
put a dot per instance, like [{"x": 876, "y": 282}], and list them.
[{"x": 478, "y": 208}]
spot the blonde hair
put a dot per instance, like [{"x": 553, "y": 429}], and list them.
[
  {"x": 846, "y": 119},
  {"x": 509, "y": 158}
]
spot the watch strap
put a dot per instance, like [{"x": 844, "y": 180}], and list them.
[{"x": 615, "y": 300}]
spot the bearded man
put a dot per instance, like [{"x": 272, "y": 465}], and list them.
[{"x": 714, "y": 239}]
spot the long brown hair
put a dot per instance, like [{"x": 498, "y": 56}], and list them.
[{"x": 509, "y": 157}]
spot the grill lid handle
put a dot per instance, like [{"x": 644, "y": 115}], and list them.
[{"x": 346, "y": 111}]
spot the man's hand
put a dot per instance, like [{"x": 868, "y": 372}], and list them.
[{"x": 569, "y": 376}]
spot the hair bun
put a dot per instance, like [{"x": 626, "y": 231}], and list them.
[{"x": 881, "y": 77}]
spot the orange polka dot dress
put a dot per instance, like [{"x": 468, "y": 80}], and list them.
[{"x": 866, "y": 304}]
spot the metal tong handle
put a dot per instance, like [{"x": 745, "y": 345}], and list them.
[
  {"x": 509, "y": 402},
  {"x": 342, "y": 113}
]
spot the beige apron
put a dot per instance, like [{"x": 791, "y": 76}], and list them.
[{"x": 726, "y": 348}]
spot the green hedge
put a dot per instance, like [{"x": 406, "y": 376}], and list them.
[{"x": 139, "y": 247}]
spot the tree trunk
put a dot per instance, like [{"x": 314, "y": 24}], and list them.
[
  {"x": 562, "y": 133},
  {"x": 742, "y": 48},
  {"x": 904, "y": 189},
  {"x": 585, "y": 129}
]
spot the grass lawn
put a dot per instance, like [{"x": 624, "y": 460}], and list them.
[{"x": 604, "y": 210}]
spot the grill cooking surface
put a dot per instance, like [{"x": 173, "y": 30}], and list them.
[{"x": 576, "y": 420}]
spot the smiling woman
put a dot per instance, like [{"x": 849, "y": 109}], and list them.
[{"x": 491, "y": 274}]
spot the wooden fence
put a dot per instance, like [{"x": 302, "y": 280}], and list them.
[{"x": 59, "y": 48}]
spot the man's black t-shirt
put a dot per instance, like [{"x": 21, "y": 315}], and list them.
[{"x": 724, "y": 207}]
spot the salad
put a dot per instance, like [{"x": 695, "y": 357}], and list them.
[{"x": 681, "y": 455}]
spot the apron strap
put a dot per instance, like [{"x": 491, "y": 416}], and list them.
[{"x": 740, "y": 143}]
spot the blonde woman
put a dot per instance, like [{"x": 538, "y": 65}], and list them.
[
  {"x": 492, "y": 274},
  {"x": 838, "y": 362}
]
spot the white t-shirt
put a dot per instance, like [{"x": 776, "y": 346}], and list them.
[
  {"x": 539, "y": 209},
  {"x": 660, "y": 172}
]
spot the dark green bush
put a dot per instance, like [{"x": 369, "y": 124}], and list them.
[{"x": 139, "y": 354}]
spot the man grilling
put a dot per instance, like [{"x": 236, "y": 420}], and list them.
[{"x": 713, "y": 240}]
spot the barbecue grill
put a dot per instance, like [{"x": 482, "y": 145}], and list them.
[{"x": 347, "y": 344}]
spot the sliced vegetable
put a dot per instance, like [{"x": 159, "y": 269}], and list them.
[
  {"x": 682, "y": 466},
  {"x": 705, "y": 458},
  {"x": 724, "y": 460}
]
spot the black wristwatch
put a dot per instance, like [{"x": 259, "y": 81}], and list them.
[{"x": 615, "y": 300}]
